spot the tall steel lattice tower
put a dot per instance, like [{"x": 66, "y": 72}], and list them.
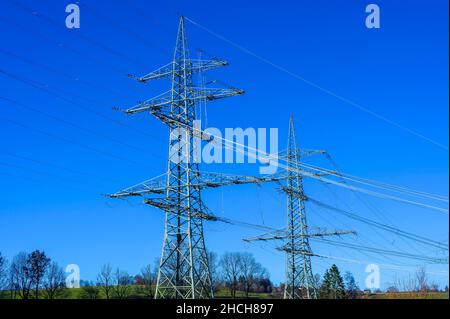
[
  {"x": 299, "y": 277},
  {"x": 183, "y": 270}
]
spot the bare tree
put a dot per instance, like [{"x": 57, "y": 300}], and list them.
[
  {"x": 123, "y": 281},
  {"x": 434, "y": 287},
  {"x": 20, "y": 278},
  {"x": 3, "y": 272},
  {"x": 38, "y": 263},
  {"x": 105, "y": 280},
  {"x": 230, "y": 265},
  {"x": 250, "y": 272},
  {"x": 351, "y": 288},
  {"x": 12, "y": 283},
  {"x": 147, "y": 280},
  {"x": 421, "y": 279},
  {"x": 392, "y": 289},
  {"x": 317, "y": 282},
  {"x": 212, "y": 263},
  {"x": 406, "y": 284},
  {"x": 54, "y": 280}
]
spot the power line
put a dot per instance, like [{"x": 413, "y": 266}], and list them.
[
  {"x": 377, "y": 184},
  {"x": 40, "y": 182},
  {"x": 343, "y": 244},
  {"x": 319, "y": 87},
  {"x": 69, "y": 141},
  {"x": 123, "y": 28},
  {"x": 104, "y": 179},
  {"x": 377, "y": 212},
  {"x": 382, "y": 251},
  {"x": 79, "y": 34},
  {"x": 82, "y": 107},
  {"x": 68, "y": 123},
  {"x": 386, "y": 266},
  {"x": 391, "y": 229},
  {"x": 407, "y": 201},
  {"x": 61, "y": 45},
  {"x": 60, "y": 73},
  {"x": 241, "y": 148}
]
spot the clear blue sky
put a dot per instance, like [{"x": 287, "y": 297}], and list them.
[{"x": 52, "y": 173}]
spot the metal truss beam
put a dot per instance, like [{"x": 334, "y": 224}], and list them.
[{"x": 206, "y": 180}]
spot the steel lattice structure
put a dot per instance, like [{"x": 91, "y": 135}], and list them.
[
  {"x": 299, "y": 277},
  {"x": 183, "y": 270}
]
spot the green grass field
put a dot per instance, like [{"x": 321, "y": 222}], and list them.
[
  {"x": 410, "y": 295},
  {"x": 136, "y": 293}
]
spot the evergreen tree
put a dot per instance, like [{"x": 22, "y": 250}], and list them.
[{"x": 333, "y": 284}]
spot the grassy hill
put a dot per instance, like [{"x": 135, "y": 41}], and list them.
[
  {"x": 410, "y": 295},
  {"x": 136, "y": 292}
]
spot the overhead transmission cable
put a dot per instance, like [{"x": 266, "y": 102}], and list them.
[
  {"x": 319, "y": 87},
  {"x": 241, "y": 148},
  {"x": 80, "y": 35},
  {"x": 46, "y": 90}
]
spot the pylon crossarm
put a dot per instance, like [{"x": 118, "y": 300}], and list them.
[
  {"x": 151, "y": 186},
  {"x": 194, "y": 66},
  {"x": 273, "y": 235},
  {"x": 211, "y": 94},
  {"x": 297, "y": 251},
  {"x": 210, "y": 179},
  {"x": 302, "y": 152},
  {"x": 200, "y": 65},
  {"x": 281, "y": 234},
  {"x": 327, "y": 233},
  {"x": 174, "y": 208},
  {"x": 161, "y": 73},
  {"x": 160, "y": 101},
  {"x": 165, "y": 100},
  {"x": 206, "y": 180}
]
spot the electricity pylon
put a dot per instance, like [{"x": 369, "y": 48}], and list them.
[
  {"x": 184, "y": 269},
  {"x": 299, "y": 280},
  {"x": 299, "y": 274}
]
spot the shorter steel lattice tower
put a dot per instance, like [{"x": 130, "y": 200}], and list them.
[
  {"x": 299, "y": 279},
  {"x": 299, "y": 276}
]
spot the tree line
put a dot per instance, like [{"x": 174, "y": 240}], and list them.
[
  {"x": 235, "y": 274},
  {"x": 31, "y": 275},
  {"x": 34, "y": 275}
]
